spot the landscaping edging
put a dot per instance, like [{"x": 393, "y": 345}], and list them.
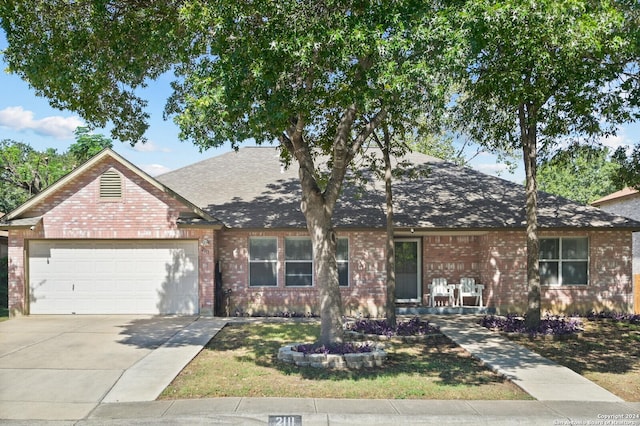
[{"x": 375, "y": 358}]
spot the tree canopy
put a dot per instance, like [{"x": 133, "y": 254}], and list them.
[
  {"x": 88, "y": 144},
  {"x": 314, "y": 76},
  {"x": 541, "y": 71},
  {"x": 581, "y": 173},
  {"x": 25, "y": 171},
  {"x": 322, "y": 76},
  {"x": 628, "y": 173}
]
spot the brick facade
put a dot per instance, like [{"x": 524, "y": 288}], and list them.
[
  {"x": 365, "y": 294},
  {"x": 495, "y": 258},
  {"x": 76, "y": 212}
]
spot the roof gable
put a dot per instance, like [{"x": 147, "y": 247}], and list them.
[{"x": 109, "y": 156}]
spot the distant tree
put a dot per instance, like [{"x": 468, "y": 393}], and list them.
[
  {"x": 25, "y": 172},
  {"x": 88, "y": 144},
  {"x": 628, "y": 173},
  {"x": 581, "y": 173}
]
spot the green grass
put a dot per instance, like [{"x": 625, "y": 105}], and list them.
[
  {"x": 241, "y": 361},
  {"x": 607, "y": 353}
]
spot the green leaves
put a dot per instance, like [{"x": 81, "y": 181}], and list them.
[
  {"x": 628, "y": 172},
  {"x": 581, "y": 173},
  {"x": 562, "y": 57},
  {"x": 90, "y": 57},
  {"x": 25, "y": 172},
  {"x": 87, "y": 144}
]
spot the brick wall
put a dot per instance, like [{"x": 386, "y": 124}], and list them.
[
  {"x": 76, "y": 212},
  {"x": 365, "y": 295},
  {"x": 504, "y": 272},
  {"x": 496, "y": 259},
  {"x": 451, "y": 257}
]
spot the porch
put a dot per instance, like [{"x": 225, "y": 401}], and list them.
[{"x": 443, "y": 310}]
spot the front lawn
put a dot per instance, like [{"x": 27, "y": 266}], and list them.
[
  {"x": 241, "y": 361},
  {"x": 607, "y": 353}
]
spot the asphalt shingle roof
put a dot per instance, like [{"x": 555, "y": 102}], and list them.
[{"x": 250, "y": 188}]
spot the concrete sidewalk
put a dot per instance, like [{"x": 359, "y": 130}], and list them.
[
  {"x": 539, "y": 377},
  {"x": 563, "y": 397},
  {"x": 320, "y": 412},
  {"x": 145, "y": 380}
]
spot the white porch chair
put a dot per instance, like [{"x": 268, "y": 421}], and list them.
[
  {"x": 440, "y": 288},
  {"x": 469, "y": 288}
]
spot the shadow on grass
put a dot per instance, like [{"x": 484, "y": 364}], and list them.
[
  {"x": 605, "y": 347},
  {"x": 438, "y": 358}
]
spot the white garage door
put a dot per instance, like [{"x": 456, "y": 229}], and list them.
[{"x": 113, "y": 277}]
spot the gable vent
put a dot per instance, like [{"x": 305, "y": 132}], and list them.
[{"x": 110, "y": 186}]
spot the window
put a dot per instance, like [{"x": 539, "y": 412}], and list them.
[
  {"x": 298, "y": 256},
  {"x": 342, "y": 256},
  {"x": 564, "y": 261},
  {"x": 110, "y": 186},
  {"x": 263, "y": 262}
]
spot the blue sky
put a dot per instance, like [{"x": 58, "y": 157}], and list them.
[{"x": 27, "y": 118}]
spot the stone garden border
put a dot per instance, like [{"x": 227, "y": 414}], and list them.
[
  {"x": 393, "y": 339},
  {"x": 375, "y": 358}
]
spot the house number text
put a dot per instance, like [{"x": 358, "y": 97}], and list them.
[{"x": 285, "y": 420}]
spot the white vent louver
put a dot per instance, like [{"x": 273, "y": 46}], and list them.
[{"x": 110, "y": 186}]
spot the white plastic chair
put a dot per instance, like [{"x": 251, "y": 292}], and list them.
[
  {"x": 469, "y": 288},
  {"x": 440, "y": 288}
]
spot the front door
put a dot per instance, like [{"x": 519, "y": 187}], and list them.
[{"x": 408, "y": 274}]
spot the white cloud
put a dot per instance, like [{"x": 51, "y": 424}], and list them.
[
  {"x": 149, "y": 146},
  {"x": 613, "y": 142},
  {"x": 491, "y": 168},
  {"x": 155, "y": 169},
  {"x": 17, "y": 118}
]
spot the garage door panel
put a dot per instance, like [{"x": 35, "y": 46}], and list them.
[{"x": 107, "y": 277}]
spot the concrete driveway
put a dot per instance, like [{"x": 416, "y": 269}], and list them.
[{"x": 62, "y": 367}]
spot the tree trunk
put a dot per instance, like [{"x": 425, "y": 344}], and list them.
[
  {"x": 324, "y": 241},
  {"x": 528, "y": 136},
  {"x": 390, "y": 307},
  {"x": 318, "y": 206},
  {"x": 318, "y": 213}
]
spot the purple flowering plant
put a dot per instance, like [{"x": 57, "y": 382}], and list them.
[
  {"x": 549, "y": 324},
  {"x": 413, "y": 327},
  {"x": 334, "y": 348},
  {"x": 616, "y": 316}
]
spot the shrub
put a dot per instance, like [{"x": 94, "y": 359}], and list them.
[
  {"x": 413, "y": 327},
  {"x": 549, "y": 324},
  {"x": 616, "y": 316}
]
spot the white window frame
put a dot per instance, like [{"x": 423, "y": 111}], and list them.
[
  {"x": 560, "y": 260},
  {"x": 273, "y": 261},
  {"x": 300, "y": 261}
]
